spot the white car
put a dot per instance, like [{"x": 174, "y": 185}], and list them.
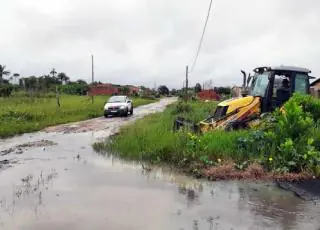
[{"x": 118, "y": 105}]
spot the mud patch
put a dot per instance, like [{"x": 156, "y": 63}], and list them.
[
  {"x": 81, "y": 127},
  {"x": 42, "y": 143},
  {"x": 4, "y": 164},
  {"x": 6, "y": 152},
  {"x": 20, "y": 148}
]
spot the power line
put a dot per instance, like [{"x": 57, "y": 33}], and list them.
[{"x": 202, "y": 36}]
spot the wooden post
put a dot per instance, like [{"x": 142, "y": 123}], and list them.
[
  {"x": 187, "y": 72},
  {"x": 57, "y": 96},
  {"x": 92, "y": 75}
]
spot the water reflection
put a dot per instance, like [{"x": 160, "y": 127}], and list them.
[
  {"x": 276, "y": 207},
  {"x": 269, "y": 207},
  {"x": 105, "y": 190},
  {"x": 31, "y": 188}
]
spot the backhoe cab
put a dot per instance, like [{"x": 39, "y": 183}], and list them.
[{"x": 267, "y": 89}]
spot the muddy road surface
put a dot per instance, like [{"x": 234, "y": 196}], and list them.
[{"x": 54, "y": 180}]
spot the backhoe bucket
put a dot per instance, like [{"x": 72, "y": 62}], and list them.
[{"x": 181, "y": 122}]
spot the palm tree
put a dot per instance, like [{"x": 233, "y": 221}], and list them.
[
  {"x": 63, "y": 77},
  {"x": 16, "y": 76},
  {"x": 3, "y": 72},
  {"x": 53, "y": 72}
]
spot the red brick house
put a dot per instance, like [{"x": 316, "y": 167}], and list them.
[
  {"x": 110, "y": 89},
  {"x": 133, "y": 90},
  {"x": 209, "y": 95},
  {"x": 104, "y": 89}
]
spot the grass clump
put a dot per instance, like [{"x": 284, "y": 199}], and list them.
[{"x": 27, "y": 114}]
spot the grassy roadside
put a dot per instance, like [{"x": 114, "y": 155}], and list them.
[
  {"x": 153, "y": 140},
  {"x": 288, "y": 148},
  {"x": 21, "y": 114}
]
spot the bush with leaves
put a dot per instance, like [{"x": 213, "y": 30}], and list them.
[
  {"x": 5, "y": 90},
  {"x": 74, "y": 88},
  {"x": 287, "y": 144},
  {"x": 182, "y": 107},
  {"x": 309, "y": 105}
]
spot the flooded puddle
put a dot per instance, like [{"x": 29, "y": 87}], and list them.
[{"x": 66, "y": 185}]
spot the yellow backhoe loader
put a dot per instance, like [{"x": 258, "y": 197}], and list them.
[{"x": 267, "y": 89}]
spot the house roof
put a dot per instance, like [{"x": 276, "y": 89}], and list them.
[{"x": 315, "y": 82}]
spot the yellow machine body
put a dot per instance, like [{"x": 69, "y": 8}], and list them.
[{"x": 242, "y": 111}]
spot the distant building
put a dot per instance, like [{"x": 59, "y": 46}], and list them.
[
  {"x": 236, "y": 91},
  {"x": 315, "y": 84},
  {"x": 315, "y": 88},
  {"x": 209, "y": 95},
  {"x": 110, "y": 89},
  {"x": 104, "y": 89},
  {"x": 133, "y": 90},
  {"x": 145, "y": 91}
]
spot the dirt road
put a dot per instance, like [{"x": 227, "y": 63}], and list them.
[{"x": 54, "y": 180}]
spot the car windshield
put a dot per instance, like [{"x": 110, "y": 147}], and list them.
[
  {"x": 117, "y": 99},
  {"x": 259, "y": 84}
]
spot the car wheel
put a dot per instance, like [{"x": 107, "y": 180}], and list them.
[
  {"x": 131, "y": 111},
  {"x": 126, "y": 113}
]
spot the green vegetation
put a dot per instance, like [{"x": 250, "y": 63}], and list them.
[
  {"x": 152, "y": 139},
  {"x": 26, "y": 114},
  {"x": 285, "y": 142},
  {"x": 289, "y": 141},
  {"x": 75, "y": 88}
]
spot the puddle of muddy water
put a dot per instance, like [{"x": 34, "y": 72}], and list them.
[
  {"x": 89, "y": 191},
  {"x": 68, "y": 186}
]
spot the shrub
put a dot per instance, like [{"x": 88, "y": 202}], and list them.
[
  {"x": 5, "y": 90},
  {"x": 182, "y": 107},
  {"x": 309, "y": 105},
  {"x": 287, "y": 144},
  {"x": 74, "y": 88}
]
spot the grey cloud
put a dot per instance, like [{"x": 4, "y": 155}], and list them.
[{"x": 148, "y": 41}]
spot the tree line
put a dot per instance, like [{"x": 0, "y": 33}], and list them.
[
  {"x": 164, "y": 90},
  {"x": 49, "y": 83},
  {"x": 41, "y": 84}
]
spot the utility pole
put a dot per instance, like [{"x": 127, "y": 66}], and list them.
[
  {"x": 187, "y": 72},
  {"x": 92, "y": 97}
]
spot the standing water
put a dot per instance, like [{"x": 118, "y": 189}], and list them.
[{"x": 54, "y": 180}]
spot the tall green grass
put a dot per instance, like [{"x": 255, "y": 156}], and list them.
[
  {"x": 153, "y": 138},
  {"x": 224, "y": 145},
  {"x": 27, "y": 114}
]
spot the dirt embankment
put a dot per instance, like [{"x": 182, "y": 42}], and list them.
[
  {"x": 252, "y": 172},
  {"x": 304, "y": 185}
]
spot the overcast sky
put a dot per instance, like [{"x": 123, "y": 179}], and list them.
[{"x": 144, "y": 42}]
